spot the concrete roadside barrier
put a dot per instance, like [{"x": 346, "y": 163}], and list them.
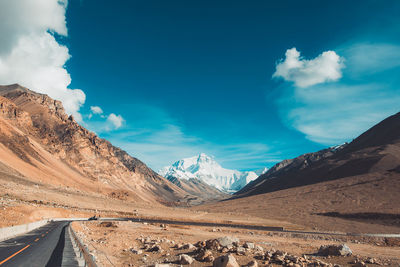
[{"x": 12, "y": 231}]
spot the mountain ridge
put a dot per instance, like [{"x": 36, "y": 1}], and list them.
[
  {"x": 33, "y": 124},
  {"x": 207, "y": 170},
  {"x": 376, "y": 150}
]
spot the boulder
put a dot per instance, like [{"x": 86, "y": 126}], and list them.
[
  {"x": 335, "y": 250},
  {"x": 185, "y": 259},
  {"x": 225, "y": 261},
  {"x": 228, "y": 241}
]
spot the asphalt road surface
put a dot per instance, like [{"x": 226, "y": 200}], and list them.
[{"x": 41, "y": 247}]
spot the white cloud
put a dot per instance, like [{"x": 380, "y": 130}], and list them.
[
  {"x": 324, "y": 68},
  {"x": 96, "y": 110},
  {"x": 115, "y": 120},
  {"x": 31, "y": 56},
  {"x": 335, "y": 113}
]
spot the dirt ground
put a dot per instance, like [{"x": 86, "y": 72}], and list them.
[{"x": 114, "y": 244}]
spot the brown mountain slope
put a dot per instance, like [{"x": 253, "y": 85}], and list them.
[
  {"x": 39, "y": 140},
  {"x": 351, "y": 188},
  {"x": 201, "y": 191},
  {"x": 375, "y": 151}
]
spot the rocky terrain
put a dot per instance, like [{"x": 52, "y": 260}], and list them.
[
  {"x": 174, "y": 245},
  {"x": 40, "y": 142}
]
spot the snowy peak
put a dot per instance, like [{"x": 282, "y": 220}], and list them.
[{"x": 206, "y": 169}]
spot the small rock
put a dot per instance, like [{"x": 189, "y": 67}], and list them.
[
  {"x": 360, "y": 264},
  {"x": 259, "y": 248},
  {"x": 224, "y": 250},
  {"x": 136, "y": 251},
  {"x": 178, "y": 246},
  {"x": 371, "y": 260},
  {"x": 249, "y": 245},
  {"x": 155, "y": 248},
  {"x": 203, "y": 255},
  {"x": 212, "y": 244},
  {"x": 225, "y": 261},
  {"x": 209, "y": 258},
  {"x": 240, "y": 251},
  {"x": 200, "y": 244},
  {"x": 185, "y": 259},
  {"x": 188, "y": 246},
  {"x": 252, "y": 264}
]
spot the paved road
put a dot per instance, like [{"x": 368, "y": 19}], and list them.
[{"x": 41, "y": 247}]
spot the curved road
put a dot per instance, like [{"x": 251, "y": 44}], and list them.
[{"x": 41, "y": 247}]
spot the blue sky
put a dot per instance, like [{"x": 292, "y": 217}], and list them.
[{"x": 170, "y": 79}]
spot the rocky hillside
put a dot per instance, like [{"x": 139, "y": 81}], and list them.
[
  {"x": 375, "y": 151},
  {"x": 43, "y": 143}
]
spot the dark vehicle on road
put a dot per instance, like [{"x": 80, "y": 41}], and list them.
[{"x": 93, "y": 218}]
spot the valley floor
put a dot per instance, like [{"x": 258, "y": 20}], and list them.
[
  {"x": 142, "y": 244},
  {"x": 24, "y": 201}
]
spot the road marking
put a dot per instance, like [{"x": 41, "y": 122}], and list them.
[
  {"x": 13, "y": 255},
  {"x": 37, "y": 239}
]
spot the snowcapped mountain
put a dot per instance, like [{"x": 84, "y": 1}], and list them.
[{"x": 206, "y": 169}]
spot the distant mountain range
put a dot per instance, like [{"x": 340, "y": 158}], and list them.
[
  {"x": 205, "y": 169},
  {"x": 377, "y": 151}
]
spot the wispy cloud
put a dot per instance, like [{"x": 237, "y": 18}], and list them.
[
  {"x": 332, "y": 113},
  {"x": 96, "y": 110}
]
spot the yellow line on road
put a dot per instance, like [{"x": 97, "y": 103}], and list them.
[{"x": 13, "y": 255}]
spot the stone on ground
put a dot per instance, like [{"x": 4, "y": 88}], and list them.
[
  {"x": 225, "y": 261},
  {"x": 185, "y": 259},
  {"x": 335, "y": 250}
]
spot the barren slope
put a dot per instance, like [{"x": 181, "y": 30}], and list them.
[
  {"x": 39, "y": 140},
  {"x": 377, "y": 151},
  {"x": 353, "y": 188}
]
